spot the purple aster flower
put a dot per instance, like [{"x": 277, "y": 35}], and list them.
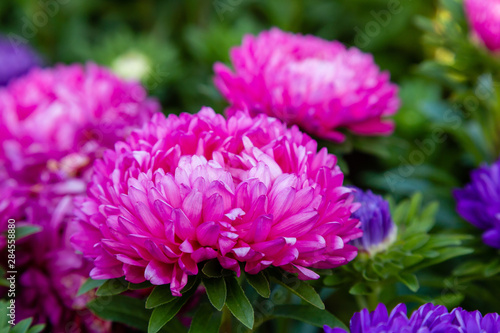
[
  {"x": 378, "y": 228},
  {"x": 15, "y": 60},
  {"x": 484, "y": 18},
  {"x": 479, "y": 202},
  {"x": 428, "y": 318}
]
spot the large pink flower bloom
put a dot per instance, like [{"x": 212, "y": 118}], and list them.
[
  {"x": 484, "y": 18},
  {"x": 304, "y": 80},
  {"x": 189, "y": 188},
  {"x": 53, "y": 124}
]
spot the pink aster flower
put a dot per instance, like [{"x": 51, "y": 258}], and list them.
[
  {"x": 54, "y": 123},
  {"x": 318, "y": 85},
  {"x": 484, "y": 18},
  {"x": 51, "y": 273},
  {"x": 189, "y": 188}
]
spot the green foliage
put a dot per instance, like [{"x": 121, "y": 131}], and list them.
[
  {"x": 23, "y": 326},
  {"x": 416, "y": 247}
]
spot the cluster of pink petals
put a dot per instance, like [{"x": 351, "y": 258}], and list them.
[
  {"x": 54, "y": 123},
  {"x": 316, "y": 84},
  {"x": 484, "y": 18},
  {"x": 51, "y": 272},
  {"x": 61, "y": 118},
  {"x": 189, "y": 188}
]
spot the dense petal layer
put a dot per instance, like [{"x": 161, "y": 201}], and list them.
[
  {"x": 318, "y": 85},
  {"x": 242, "y": 190}
]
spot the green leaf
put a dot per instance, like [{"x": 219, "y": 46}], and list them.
[
  {"x": 492, "y": 268},
  {"x": 37, "y": 328},
  {"x": 360, "y": 288},
  {"x": 216, "y": 291},
  {"x": 469, "y": 268},
  {"x": 122, "y": 309},
  {"x": 164, "y": 313},
  {"x": 138, "y": 286},
  {"x": 334, "y": 280},
  {"x": 27, "y": 230},
  {"x": 206, "y": 320},
  {"x": 3, "y": 314},
  {"x": 415, "y": 204},
  {"x": 88, "y": 285},
  {"x": 415, "y": 242},
  {"x": 298, "y": 287},
  {"x": 238, "y": 303},
  {"x": 22, "y": 326},
  {"x": 446, "y": 240},
  {"x": 409, "y": 280},
  {"x": 308, "y": 314},
  {"x": 112, "y": 287},
  {"x": 212, "y": 269},
  {"x": 444, "y": 254},
  {"x": 260, "y": 283},
  {"x": 412, "y": 259},
  {"x": 163, "y": 295}
]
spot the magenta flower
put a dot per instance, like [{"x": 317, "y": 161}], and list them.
[
  {"x": 189, "y": 188},
  {"x": 484, "y": 19},
  {"x": 51, "y": 272},
  {"x": 53, "y": 124},
  {"x": 316, "y": 84},
  {"x": 56, "y": 121}
]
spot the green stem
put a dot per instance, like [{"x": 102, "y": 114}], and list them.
[
  {"x": 361, "y": 302},
  {"x": 226, "y": 325},
  {"x": 373, "y": 298}
]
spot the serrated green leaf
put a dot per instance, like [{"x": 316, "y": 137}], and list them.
[
  {"x": 260, "y": 283},
  {"x": 308, "y": 314},
  {"x": 112, "y": 287},
  {"x": 88, "y": 285},
  {"x": 206, "y": 320},
  {"x": 122, "y": 309},
  {"x": 216, "y": 291},
  {"x": 163, "y": 295},
  {"x": 298, "y": 287},
  {"x": 164, "y": 313},
  {"x": 360, "y": 288},
  {"x": 410, "y": 280},
  {"x": 238, "y": 303}
]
